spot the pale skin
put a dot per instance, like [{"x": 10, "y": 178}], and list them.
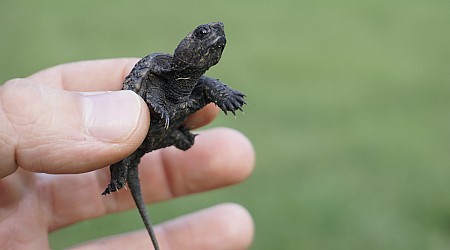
[{"x": 49, "y": 129}]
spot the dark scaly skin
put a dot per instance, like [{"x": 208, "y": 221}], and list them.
[{"x": 174, "y": 88}]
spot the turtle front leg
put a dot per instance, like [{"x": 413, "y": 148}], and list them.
[
  {"x": 212, "y": 90},
  {"x": 155, "y": 98}
]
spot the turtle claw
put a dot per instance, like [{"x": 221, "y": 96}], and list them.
[
  {"x": 165, "y": 117},
  {"x": 167, "y": 121}
]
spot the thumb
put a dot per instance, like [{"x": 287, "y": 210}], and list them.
[{"x": 50, "y": 130}]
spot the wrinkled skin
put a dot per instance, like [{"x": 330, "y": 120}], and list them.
[{"x": 174, "y": 87}]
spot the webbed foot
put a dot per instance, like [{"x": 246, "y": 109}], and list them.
[
  {"x": 183, "y": 138},
  {"x": 228, "y": 99},
  {"x": 114, "y": 186},
  {"x": 119, "y": 173}
]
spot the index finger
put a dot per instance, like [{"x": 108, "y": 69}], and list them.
[{"x": 94, "y": 75}]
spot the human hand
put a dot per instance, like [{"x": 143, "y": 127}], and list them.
[{"x": 51, "y": 127}]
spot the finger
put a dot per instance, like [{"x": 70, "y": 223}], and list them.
[
  {"x": 55, "y": 131},
  {"x": 223, "y": 227},
  {"x": 95, "y": 75},
  {"x": 219, "y": 157}
]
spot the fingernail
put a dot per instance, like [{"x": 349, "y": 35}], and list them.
[{"x": 111, "y": 116}]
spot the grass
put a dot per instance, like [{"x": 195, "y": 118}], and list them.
[{"x": 348, "y": 109}]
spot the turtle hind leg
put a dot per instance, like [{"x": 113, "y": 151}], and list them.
[
  {"x": 183, "y": 139},
  {"x": 119, "y": 172}
]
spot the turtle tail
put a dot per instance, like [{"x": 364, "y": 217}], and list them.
[{"x": 133, "y": 183}]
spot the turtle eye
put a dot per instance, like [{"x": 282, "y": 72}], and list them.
[{"x": 202, "y": 31}]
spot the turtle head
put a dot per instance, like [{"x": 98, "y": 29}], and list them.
[{"x": 201, "y": 48}]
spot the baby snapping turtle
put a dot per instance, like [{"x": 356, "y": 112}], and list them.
[{"x": 174, "y": 87}]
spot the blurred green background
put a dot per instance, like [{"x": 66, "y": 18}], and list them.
[{"x": 348, "y": 109}]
